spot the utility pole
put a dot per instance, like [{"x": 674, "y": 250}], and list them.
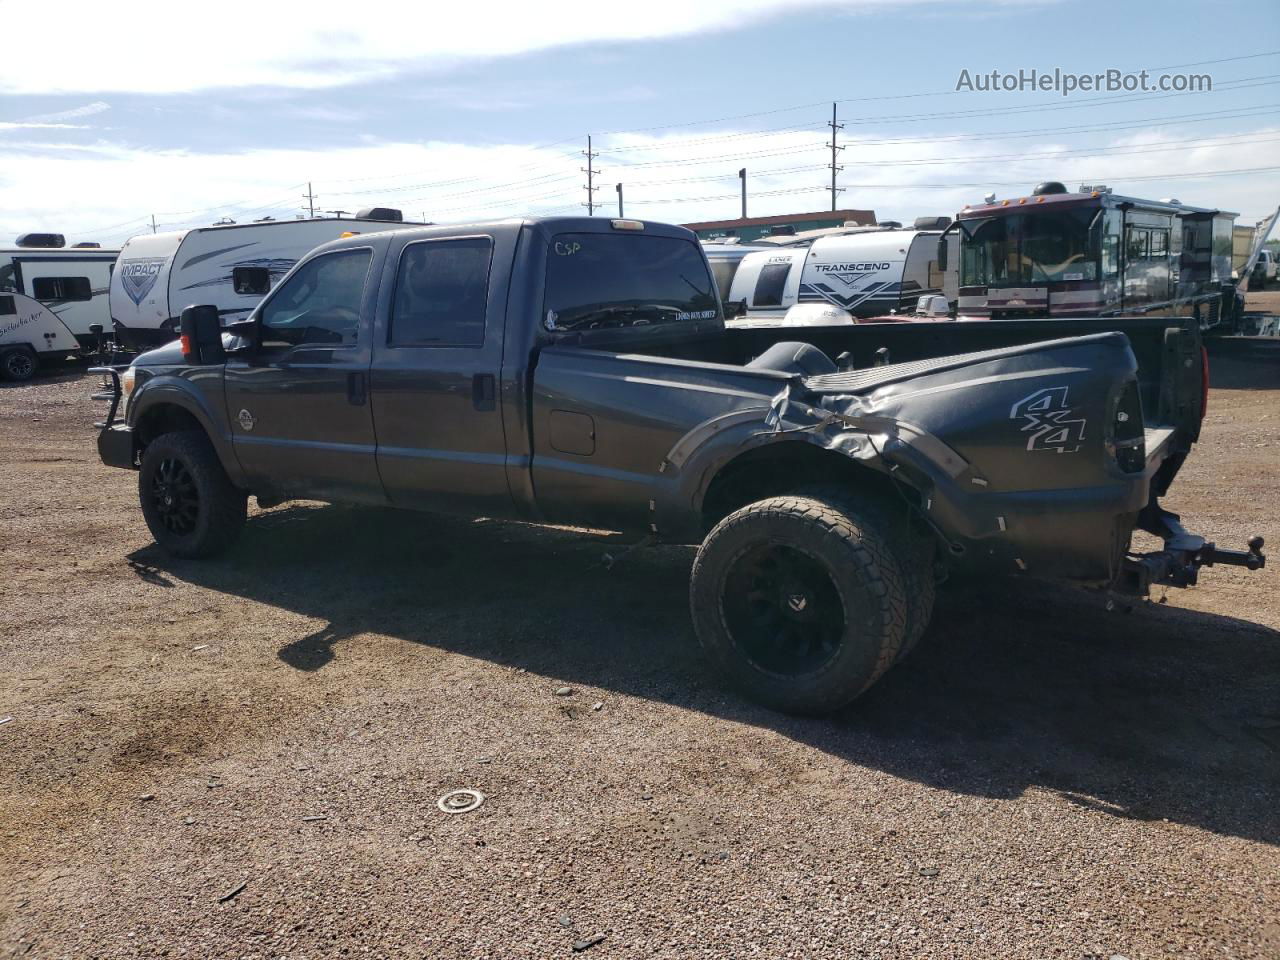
[
  {"x": 834, "y": 150},
  {"x": 618, "y": 187},
  {"x": 153, "y": 223},
  {"x": 311, "y": 198},
  {"x": 742, "y": 175},
  {"x": 591, "y": 172}
]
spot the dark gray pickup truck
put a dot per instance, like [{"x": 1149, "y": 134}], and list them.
[{"x": 579, "y": 371}]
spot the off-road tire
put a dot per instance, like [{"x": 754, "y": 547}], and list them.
[
  {"x": 914, "y": 546},
  {"x": 862, "y": 569},
  {"x": 18, "y": 364},
  {"x": 185, "y": 462}
]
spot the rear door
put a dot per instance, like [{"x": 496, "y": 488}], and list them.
[
  {"x": 435, "y": 374},
  {"x": 299, "y": 405}
]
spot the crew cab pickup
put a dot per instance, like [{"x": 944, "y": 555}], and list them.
[{"x": 579, "y": 371}]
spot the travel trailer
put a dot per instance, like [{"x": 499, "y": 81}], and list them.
[
  {"x": 30, "y": 333},
  {"x": 71, "y": 282},
  {"x": 1094, "y": 253},
  {"x": 231, "y": 266},
  {"x": 857, "y": 272}
]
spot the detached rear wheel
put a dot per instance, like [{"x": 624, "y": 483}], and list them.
[
  {"x": 800, "y": 602},
  {"x": 189, "y": 503}
]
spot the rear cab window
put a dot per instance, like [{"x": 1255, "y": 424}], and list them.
[{"x": 600, "y": 281}]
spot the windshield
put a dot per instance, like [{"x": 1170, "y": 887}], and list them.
[
  {"x": 1031, "y": 248},
  {"x": 598, "y": 280}
]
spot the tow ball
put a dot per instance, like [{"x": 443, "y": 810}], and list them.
[{"x": 1251, "y": 558}]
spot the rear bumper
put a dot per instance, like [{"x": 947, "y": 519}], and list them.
[{"x": 116, "y": 448}]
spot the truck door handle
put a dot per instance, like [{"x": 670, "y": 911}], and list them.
[
  {"x": 356, "y": 389},
  {"x": 482, "y": 391}
]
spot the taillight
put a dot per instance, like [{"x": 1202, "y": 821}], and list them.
[
  {"x": 1128, "y": 443},
  {"x": 1204, "y": 381}
]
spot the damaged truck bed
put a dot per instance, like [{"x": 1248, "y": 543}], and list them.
[{"x": 579, "y": 371}]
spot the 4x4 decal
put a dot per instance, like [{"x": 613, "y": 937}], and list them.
[{"x": 1049, "y": 421}]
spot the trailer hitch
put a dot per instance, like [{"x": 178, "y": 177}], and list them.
[{"x": 1179, "y": 563}]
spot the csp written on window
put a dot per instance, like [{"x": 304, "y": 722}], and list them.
[{"x": 441, "y": 293}]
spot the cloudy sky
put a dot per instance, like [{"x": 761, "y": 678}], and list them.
[{"x": 463, "y": 111}]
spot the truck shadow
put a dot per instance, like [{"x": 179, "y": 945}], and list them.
[{"x": 1160, "y": 714}]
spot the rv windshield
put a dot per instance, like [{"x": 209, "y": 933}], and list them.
[{"x": 1031, "y": 248}]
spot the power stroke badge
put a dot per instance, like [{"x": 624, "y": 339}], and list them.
[{"x": 139, "y": 276}]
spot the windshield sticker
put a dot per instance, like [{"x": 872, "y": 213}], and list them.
[
  {"x": 568, "y": 249},
  {"x": 699, "y": 315},
  {"x": 1048, "y": 420}
]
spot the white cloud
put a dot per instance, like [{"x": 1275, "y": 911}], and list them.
[
  {"x": 75, "y": 113},
  {"x": 115, "y": 188},
  {"x": 156, "y": 46}
]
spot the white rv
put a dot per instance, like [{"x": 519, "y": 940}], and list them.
[
  {"x": 860, "y": 273},
  {"x": 30, "y": 333},
  {"x": 72, "y": 282},
  {"x": 231, "y": 266}
]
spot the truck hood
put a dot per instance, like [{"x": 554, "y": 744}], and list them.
[{"x": 171, "y": 353}]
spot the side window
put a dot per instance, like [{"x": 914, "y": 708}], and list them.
[
  {"x": 62, "y": 288},
  {"x": 250, "y": 281},
  {"x": 1136, "y": 249},
  {"x": 7, "y": 308},
  {"x": 1159, "y": 244},
  {"x": 441, "y": 293},
  {"x": 320, "y": 303},
  {"x": 769, "y": 287}
]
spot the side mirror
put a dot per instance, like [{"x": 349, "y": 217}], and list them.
[
  {"x": 200, "y": 330},
  {"x": 735, "y": 308},
  {"x": 942, "y": 252}
]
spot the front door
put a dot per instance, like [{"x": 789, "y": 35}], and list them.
[
  {"x": 435, "y": 376},
  {"x": 299, "y": 405}
]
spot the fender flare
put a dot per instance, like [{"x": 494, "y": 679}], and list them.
[
  {"x": 884, "y": 444},
  {"x": 176, "y": 391}
]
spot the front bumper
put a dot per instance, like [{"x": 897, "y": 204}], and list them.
[
  {"x": 116, "y": 447},
  {"x": 115, "y": 440}
]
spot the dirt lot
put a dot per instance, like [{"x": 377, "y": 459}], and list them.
[{"x": 1043, "y": 779}]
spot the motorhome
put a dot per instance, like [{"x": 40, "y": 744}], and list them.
[
  {"x": 1093, "y": 253},
  {"x": 71, "y": 282},
  {"x": 851, "y": 273},
  {"x": 231, "y": 266}
]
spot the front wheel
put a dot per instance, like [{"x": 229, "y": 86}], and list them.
[
  {"x": 800, "y": 602},
  {"x": 189, "y": 503}
]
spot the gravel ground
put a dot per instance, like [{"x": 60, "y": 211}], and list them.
[{"x": 242, "y": 758}]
